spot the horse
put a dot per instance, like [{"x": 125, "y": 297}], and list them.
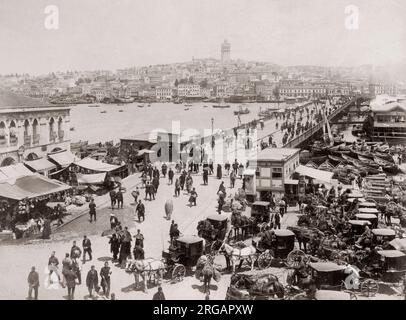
[
  {"x": 239, "y": 254},
  {"x": 149, "y": 267},
  {"x": 206, "y": 268}
]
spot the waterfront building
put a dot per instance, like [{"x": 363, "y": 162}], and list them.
[
  {"x": 302, "y": 90},
  {"x": 221, "y": 90},
  {"x": 163, "y": 93},
  {"x": 225, "y": 52},
  {"x": 274, "y": 169},
  {"x": 189, "y": 90},
  {"x": 28, "y": 133},
  {"x": 389, "y": 115}
]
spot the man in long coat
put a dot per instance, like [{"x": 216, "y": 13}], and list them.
[{"x": 92, "y": 281}]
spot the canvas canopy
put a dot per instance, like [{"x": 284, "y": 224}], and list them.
[
  {"x": 14, "y": 171},
  {"x": 40, "y": 165},
  {"x": 32, "y": 186},
  {"x": 97, "y": 178},
  {"x": 64, "y": 158},
  {"x": 95, "y": 165},
  {"x": 320, "y": 175}
]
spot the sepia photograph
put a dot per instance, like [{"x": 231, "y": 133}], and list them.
[{"x": 231, "y": 150}]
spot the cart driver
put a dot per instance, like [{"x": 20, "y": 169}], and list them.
[
  {"x": 300, "y": 269},
  {"x": 268, "y": 239}
]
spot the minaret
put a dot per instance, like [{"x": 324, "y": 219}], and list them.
[{"x": 225, "y": 51}]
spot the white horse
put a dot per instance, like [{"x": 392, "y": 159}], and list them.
[
  {"x": 146, "y": 269},
  {"x": 239, "y": 254}
]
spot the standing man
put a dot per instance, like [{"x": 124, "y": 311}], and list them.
[
  {"x": 112, "y": 198},
  {"x": 205, "y": 176},
  {"x": 282, "y": 207},
  {"x": 87, "y": 248},
  {"x": 177, "y": 188},
  {"x": 33, "y": 284},
  {"x": 92, "y": 210},
  {"x": 92, "y": 281},
  {"x": 193, "y": 197},
  {"x": 127, "y": 238},
  {"x": 182, "y": 180},
  {"x": 70, "y": 277},
  {"x": 233, "y": 177},
  {"x": 120, "y": 200},
  {"x": 139, "y": 239},
  {"x": 136, "y": 194},
  {"x": 140, "y": 211},
  {"x": 105, "y": 274},
  {"x": 170, "y": 176},
  {"x": 75, "y": 251}
]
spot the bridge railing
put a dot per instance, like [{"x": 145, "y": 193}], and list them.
[{"x": 307, "y": 134}]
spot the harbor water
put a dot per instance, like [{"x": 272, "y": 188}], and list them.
[{"x": 95, "y": 125}]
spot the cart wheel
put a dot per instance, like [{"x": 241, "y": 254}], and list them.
[
  {"x": 264, "y": 260},
  {"x": 178, "y": 272},
  {"x": 369, "y": 287},
  {"x": 292, "y": 258}
]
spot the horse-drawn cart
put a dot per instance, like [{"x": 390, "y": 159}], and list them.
[
  {"x": 182, "y": 255},
  {"x": 214, "y": 230}
]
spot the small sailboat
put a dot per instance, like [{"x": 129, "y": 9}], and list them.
[
  {"x": 121, "y": 110},
  {"x": 221, "y": 105}
]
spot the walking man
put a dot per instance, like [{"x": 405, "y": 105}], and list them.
[
  {"x": 92, "y": 281},
  {"x": 92, "y": 210},
  {"x": 75, "y": 251},
  {"x": 177, "y": 188},
  {"x": 193, "y": 197},
  {"x": 139, "y": 239},
  {"x": 233, "y": 177},
  {"x": 205, "y": 176},
  {"x": 33, "y": 284},
  {"x": 70, "y": 277},
  {"x": 105, "y": 274},
  {"x": 87, "y": 248},
  {"x": 113, "y": 198},
  {"x": 140, "y": 211},
  {"x": 120, "y": 201},
  {"x": 170, "y": 176}
]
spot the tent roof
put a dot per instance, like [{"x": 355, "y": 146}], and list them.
[
  {"x": 321, "y": 175},
  {"x": 95, "y": 165},
  {"x": 14, "y": 171},
  {"x": 97, "y": 178},
  {"x": 277, "y": 154},
  {"x": 31, "y": 186},
  {"x": 40, "y": 164},
  {"x": 64, "y": 158}
]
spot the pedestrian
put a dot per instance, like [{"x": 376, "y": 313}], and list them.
[
  {"x": 182, "y": 179},
  {"x": 139, "y": 239},
  {"x": 219, "y": 171},
  {"x": 232, "y": 179},
  {"x": 120, "y": 200},
  {"x": 114, "y": 246},
  {"x": 159, "y": 295},
  {"x": 92, "y": 210},
  {"x": 75, "y": 251},
  {"x": 92, "y": 281},
  {"x": 177, "y": 187},
  {"x": 113, "y": 198},
  {"x": 170, "y": 176},
  {"x": 171, "y": 228},
  {"x": 140, "y": 211},
  {"x": 155, "y": 183},
  {"x": 87, "y": 248},
  {"x": 136, "y": 194},
  {"x": 404, "y": 286},
  {"x": 220, "y": 203},
  {"x": 235, "y": 166},
  {"x": 33, "y": 284},
  {"x": 211, "y": 167},
  {"x": 168, "y": 209},
  {"x": 205, "y": 176},
  {"x": 164, "y": 169},
  {"x": 105, "y": 274},
  {"x": 240, "y": 170},
  {"x": 277, "y": 220},
  {"x": 189, "y": 183},
  {"x": 227, "y": 167},
  {"x": 282, "y": 207},
  {"x": 193, "y": 197},
  {"x": 126, "y": 241},
  {"x": 113, "y": 221},
  {"x": 77, "y": 267},
  {"x": 222, "y": 189},
  {"x": 70, "y": 277}
]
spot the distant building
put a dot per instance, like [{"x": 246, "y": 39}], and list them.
[
  {"x": 225, "y": 52},
  {"x": 221, "y": 90},
  {"x": 302, "y": 91},
  {"x": 188, "y": 90},
  {"x": 163, "y": 93},
  {"x": 376, "y": 89}
]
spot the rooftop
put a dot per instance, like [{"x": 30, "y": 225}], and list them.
[{"x": 277, "y": 154}]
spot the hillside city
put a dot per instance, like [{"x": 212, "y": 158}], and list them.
[{"x": 206, "y": 79}]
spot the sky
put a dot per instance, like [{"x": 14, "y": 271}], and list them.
[{"x": 112, "y": 34}]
